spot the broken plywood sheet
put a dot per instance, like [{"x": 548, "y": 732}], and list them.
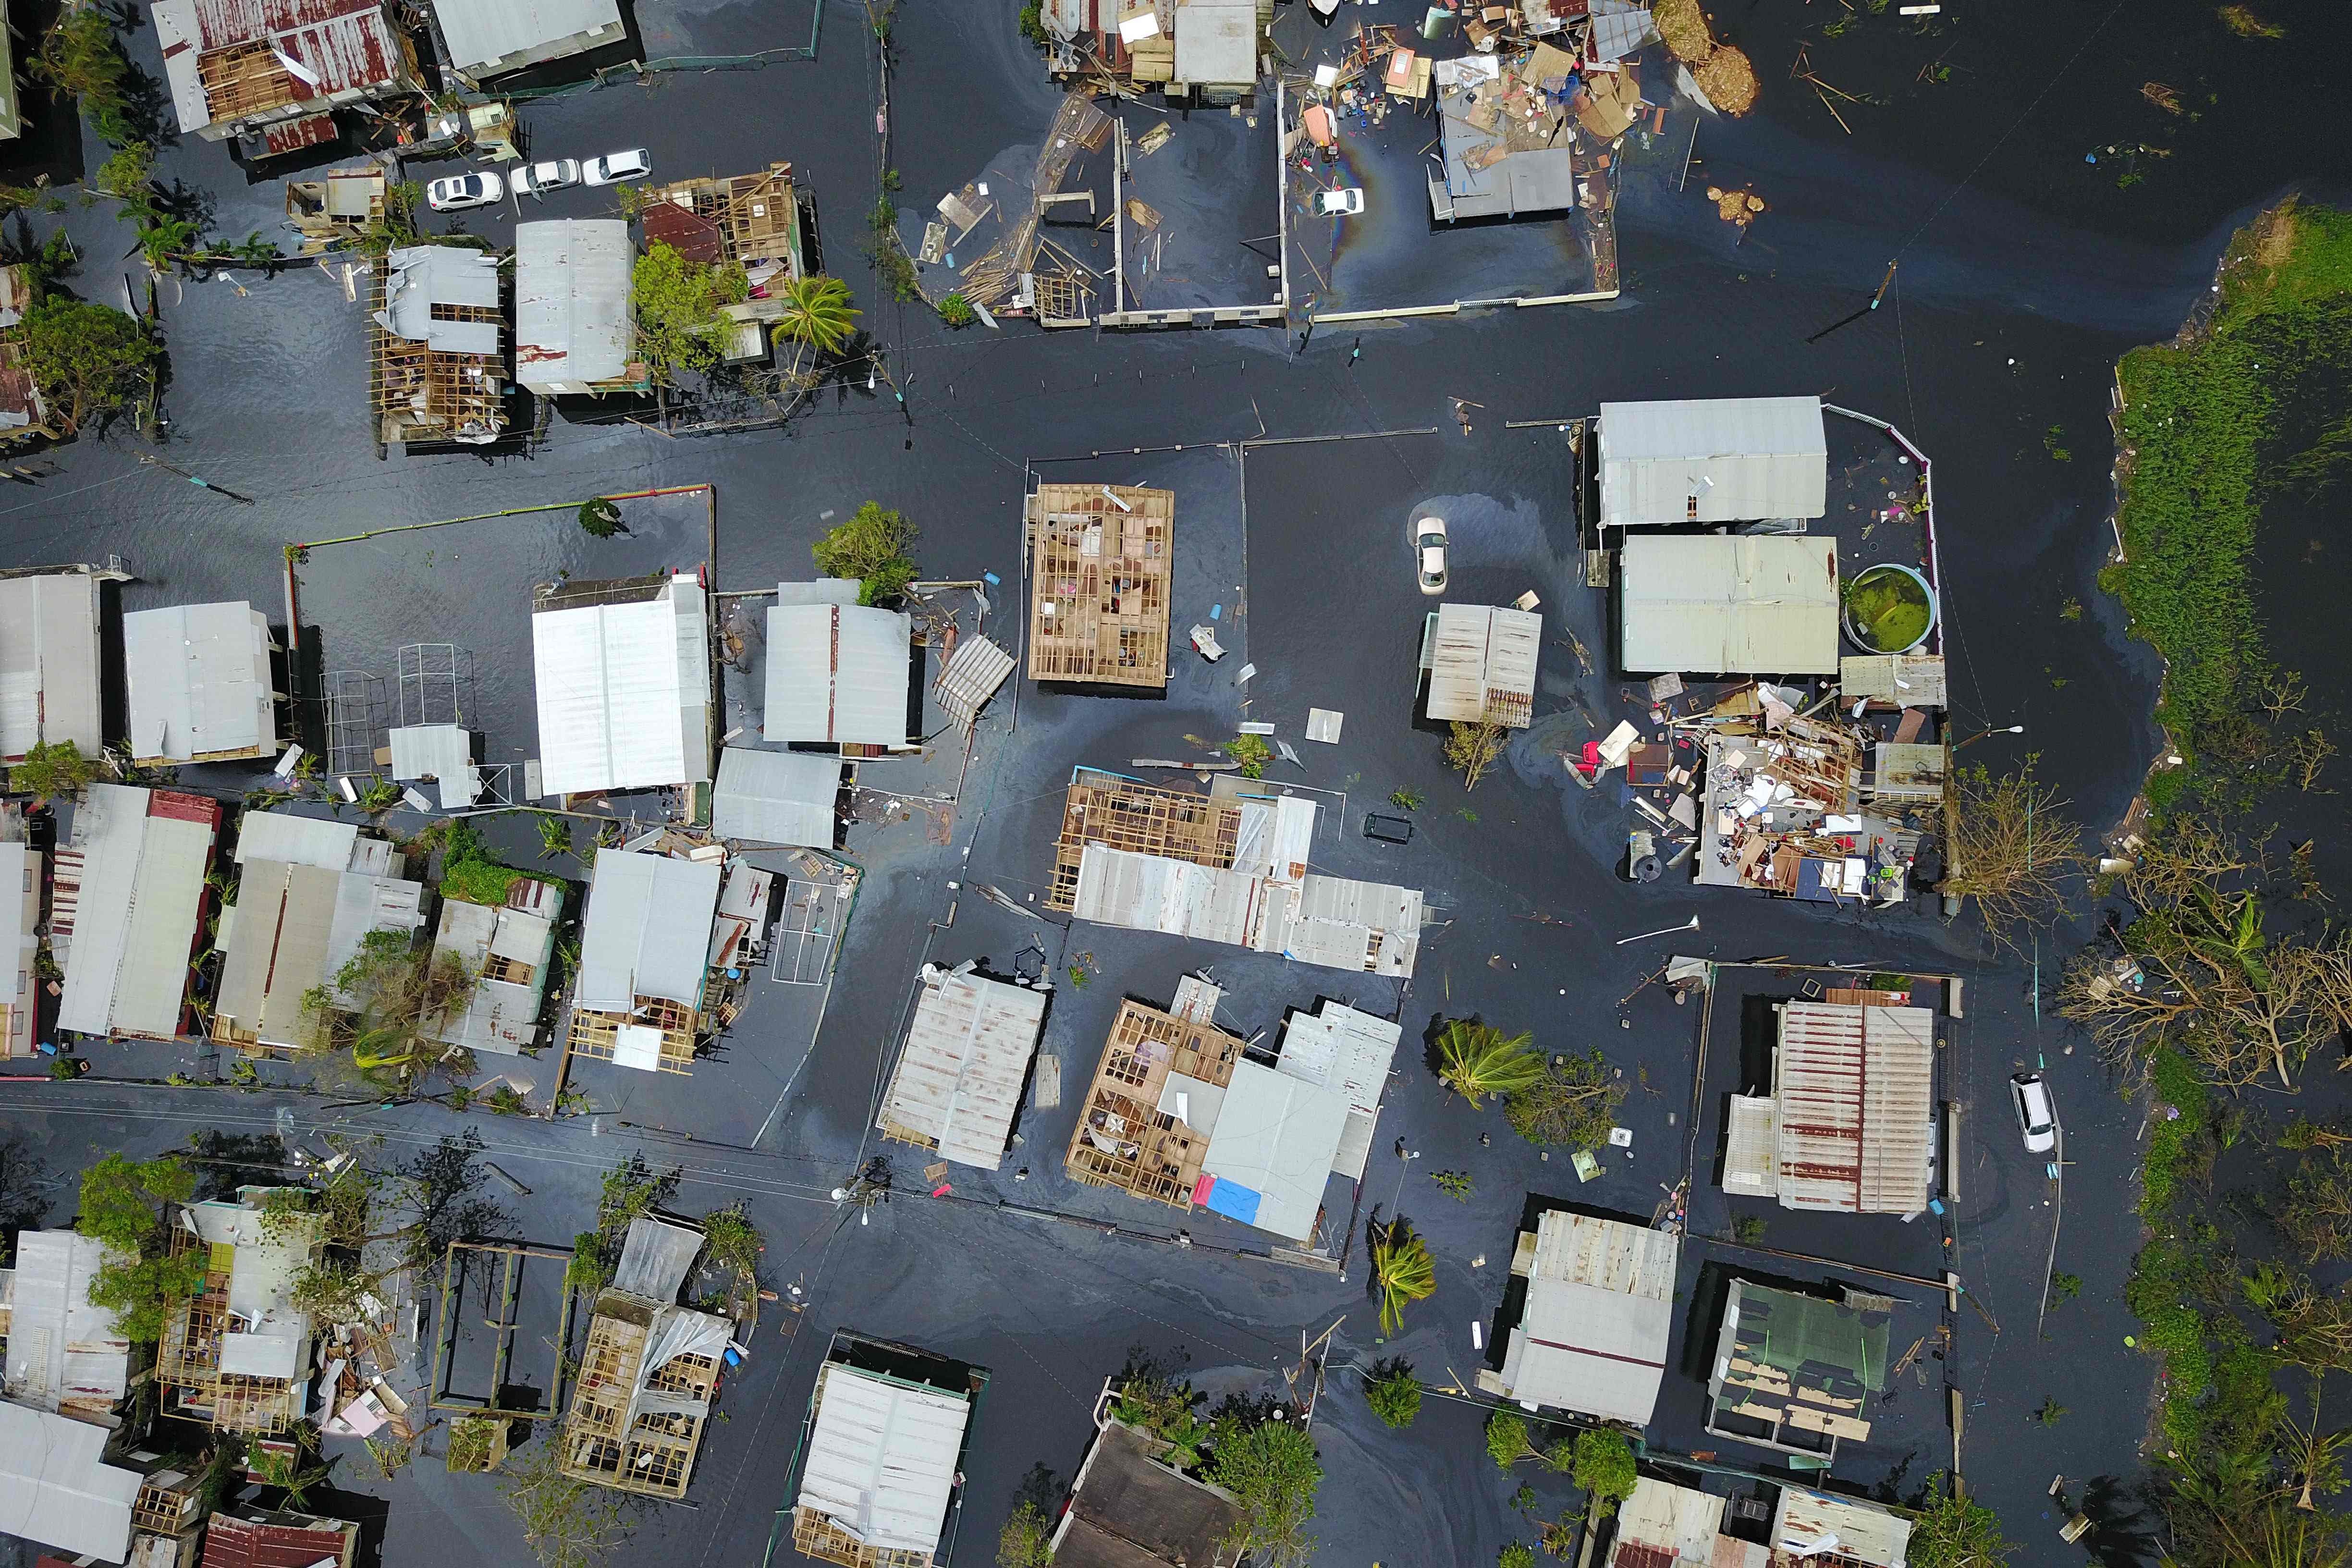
[
  {"x": 965, "y": 208},
  {"x": 1143, "y": 214}
]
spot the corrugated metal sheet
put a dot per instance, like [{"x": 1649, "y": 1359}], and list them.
[
  {"x": 231, "y": 1541},
  {"x": 1864, "y": 1533},
  {"x": 1907, "y": 680},
  {"x": 442, "y": 753},
  {"x": 1341, "y": 1049},
  {"x": 424, "y": 275},
  {"x": 61, "y": 1350},
  {"x": 574, "y": 325},
  {"x": 348, "y": 45},
  {"x": 1347, "y": 924},
  {"x": 49, "y": 663},
  {"x": 838, "y": 674},
  {"x": 647, "y": 929},
  {"x": 297, "y": 840},
  {"x": 624, "y": 692},
  {"x": 959, "y": 1079},
  {"x": 1751, "y": 1162},
  {"x": 1854, "y": 1087},
  {"x": 1277, "y": 1136},
  {"x": 973, "y": 673},
  {"x": 488, "y": 37},
  {"x": 654, "y": 1258},
  {"x": 1216, "y": 42},
  {"x": 55, "y": 1490},
  {"x": 277, "y": 949},
  {"x": 1600, "y": 1310},
  {"x": 1483, "y": 664},
  {"x": 502, "y": 1015},
  {"x": 1682, "y": 1521},
  {"x": 1755, "y": 604},
  {"x": 141, "y": 889},
  {"x": 775, "y": 797},
  {"x": 1726, "y": 459},
  {"x": 882, "y": 1457},
  {"x": 199, "y": 680}
]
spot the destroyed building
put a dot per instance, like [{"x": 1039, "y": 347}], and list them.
[
  {"x": 1599, "y": 1311},
  {"x": 1664, "y": 1525},
  {"x": 436, "y": 356},
  {"x": 1712, "y": 460},
  {"x": 200, "y": 688},
  {"x": 882, "y": 1454},
  {"x": 1101, "y": 559},
  {"x": 956, "y": 1086},
  {"x": 238, "y": 1354},
  {"x": 1144, "y": 1126},
  {"x": 839, "y": 673},
  {"x": 127, "y": 908},
  {"x": 336, "y": 210},
  {"x": 276, "y": 72},
  {"x": 644, "y": 950},
  {"x": 757, "y": 222},
  {"x": 1129, "y": 1508},
  {"x": 646, "y": 1377},
  {"x": 508, "y": 950},
  {"x": 623, "y": 674},
  {"x": 1795, "y": 1373},
  {"x": 575, "y": 315},
  {"x": 1849, "y": 1125},
  {"x": 1481, "y": 663},
  {"x": 248, "y": 1536},
  {"x": 488, "y": 38}
]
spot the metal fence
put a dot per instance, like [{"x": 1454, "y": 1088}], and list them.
[{"x": 642, "y": 73}]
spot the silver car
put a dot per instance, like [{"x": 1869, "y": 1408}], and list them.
[
  {"x": 553, "y": 175},
  {"x": 1429, "y": 554},
  {"x": 2037, "y": 1117}
]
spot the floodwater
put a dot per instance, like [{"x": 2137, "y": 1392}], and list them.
[{"x": 2023, "y": 272}]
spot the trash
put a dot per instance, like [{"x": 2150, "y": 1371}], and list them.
[
  {"x": 1620, "y": 1138},
  {"x": 1156, "y": 137},
  {"x": 1143, "y": 214},
  {"x": 1216, "y": 612},
  {"x": 1323, "y": 725},
  {"x": 1526, "y": 601},
  {"x": 1246, "y": 672},
  {"x": 1587, "y": 1167},
  {"x": 1206, "y": 641},
  {"x": 1256, "y": 728},
  {"x": 1284, "y": 750}
]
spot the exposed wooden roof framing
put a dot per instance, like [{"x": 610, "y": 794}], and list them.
[
  {"x": 1122, "y": 814},
  {"x": 1130, "y": 1135},
  {"x": 1099, "y": 583}
]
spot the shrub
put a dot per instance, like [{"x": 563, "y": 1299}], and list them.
[
  {"x": 1392, "y": 1393},
  {"x": 1252, "y": 753},
  {"x": 871, "y": 546},
  {"x": 54, "y": 767},
  {"x": 957, "y": 311}
]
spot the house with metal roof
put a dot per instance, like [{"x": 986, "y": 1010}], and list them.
[
  {"x": 1217, "y": 50},
  {"x": 252, "y": 1538},
  {"x": 1481, "y": 663},
  {"x": 20, "y": 945},
  {"x": 776, "y": 797},
  {"x": 1144, "y": 1125},
  {"x": 623, "y": 672},
  {"x": 1102, "y": 556},
  {"x": 1600, "y": 1307},
  {"x": 1130, "y": 1508},
  {"x": 292, "y": 931},
  {"x": 317, "y": 841},
  {"x": 509, "y": 949},
  {"x": 644, "y": 952},
  {"x": 56, "y": 1486},
  {"x": 642, "y": 1396},
  {"x": 127, "y": 907},
  {"x": 436, "y": 356},
  {"x": 1664, "y": 1525},
  {"x": 1712, "y": 460},
  {"x": 881, "y": 1467},
  {"x": 65, "y": 1355},
  {"x": 1804, "y": 1521},
  {"x": 1849, "y": 1126},
  {"x": 1795, "y": 1373},
  {"x": 238, "y": 1354},
  {"x": 489, "y": 39},
  {"x": 1273, "y": 1150},
  {"x": 51, "y": 657},
  {"x": 278, "y": 71},
  {"x": 1737, "y": 604},
  {"x": 575, "y": 317},
  {"x": 200, "y": 684},
  {"x": 957, "y": 1083},
  {"x": 838, "y": 672}
]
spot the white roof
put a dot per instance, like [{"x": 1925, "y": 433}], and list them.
[
  {"x": 1483, "y": 664},
  {"x": 1741, "y": 460},
  {"x": 775, "y": 797},
  {"x": 837, "y": 673},
  {"x": 55, "y": 1488},
  {"x": 60, "y": 1348},
  {"x": 959, "y": 1081},
  {"x": 1277, "y": 1136},
  {"x": 1680, "y": 1520},
  {"x": 647, "y": 929},
  {"x": 574, "y": 321},
  {"x": 318, "y": 841},
  {"x": 1865, "y": 1532},
  {"x": 882, "y": 1457},
  {"x": 483, "y": 35},
  {"x": 49, "y": 663},
  {"x": 1600, "y": 1309},
  {"x": 1856, "y": 1113},
  {"x": 1746, "y": 604},
  {"x": 1333, "y": 921},
  {"x": 425, "y": 276},
  {"x": 1216, "y": 42},
  {"x": 444, "y": 752},
  {"x": 199, "y": 680},
  {"x": 142, "y": 883},
  {"x": 501, "y": 1015},
  {"x": 624, "y": 692}
]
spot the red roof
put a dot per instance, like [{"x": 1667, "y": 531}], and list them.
[
  {"x": 293, "y": 135},
  {"x": 344, "y": 42},
  {"x": 688, "y": 233},
  {"x": 233, "y": 1542},
  {"x": 185, "y": 807}
]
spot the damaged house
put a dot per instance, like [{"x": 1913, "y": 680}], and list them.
[
  {"x": 1713, "y": 461},
  {"x": 1101, "y": 555},
  {"x": 882, "y": 1454},
  {"x": 436, "y": 355},
  {"x": 200, "y": 684},
  {"x": 64, "y": 1356},
  {"x": 1793, "y": 1373},
  {"x": 1130, "y": 1508},
  {"x": 644, "y": 955},
  {"x": 753, "y": 221},
  {"x": 644, "y": 1393},
  {"x": 508, "y": 950},
  {"x": 275, "y": 71},
  {"x": 127, "y": 907},
  {"x": 1849, "y": 1125},
  {"x": 237, "y": 1356}
]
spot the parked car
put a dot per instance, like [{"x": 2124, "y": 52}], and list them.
[
  {"x": 1342, "y": 202},
  {"x": 2037, "y": 1117},
  {"x": 554, "y": 174},
  {"x": 1429, "y": 548},
  {"x": 454, "y": 193},
  {"x": 632, "y": 164}
]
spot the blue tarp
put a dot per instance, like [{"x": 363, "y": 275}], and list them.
[{"x": 1233, "y": 1201}]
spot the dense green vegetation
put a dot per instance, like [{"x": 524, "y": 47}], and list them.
[
  {"x": 871, "y": 546},
  {"x": 123, "y": 1202},
  {"x": 1889, "y": 607}
]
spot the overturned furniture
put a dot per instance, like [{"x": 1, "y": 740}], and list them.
[{"x": 642, "y": 1397}]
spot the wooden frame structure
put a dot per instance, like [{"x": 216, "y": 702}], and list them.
[
  {"x": 421, "y": 393},
  {"x": 745, "y": 218},
  {"x": 654, "y": 1455},
  {"x": 1123, "y": 814},
  {"x": 508, "y": 1263},
  {"x": 1099, "y": 583},
  {"x": 596, "y": 1036},
  {"x": 1123, "y": 1140}
]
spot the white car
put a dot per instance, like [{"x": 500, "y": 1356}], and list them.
[
  {"x": 1342, "y": 202},
  {"x": 1429, "y": 548},
  {"x": 632, "y": 164},
  {"x": 554, "y": 174},
  {"x": 454, "y": 193},
  {"x": 2037, "y": 1117}
]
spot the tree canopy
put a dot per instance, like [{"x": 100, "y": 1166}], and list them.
[
  {"x": 89, "y": 360},
  {"x": 681, "y": 324},
  {"x": 871, "y": 547},
  {"x": 53, "y": 767}
]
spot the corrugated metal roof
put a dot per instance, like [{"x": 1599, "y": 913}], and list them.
[
  {"x": 20, "y": 915},
  {"x": 231, "y": 1541},
  {"x": 1724, "y": 459},
  {"x": 1682, "y": 1521},
  {"x": 141, "y": 888},
  {"x": 1865, "y": 1533},
  {"x": 654, "y": 1258},
  {"x": 502, "y": 1016},
  {"x": 1341, "y": 1049},
  {"x": 1599, "y": 1310},
  {"x": 1750, "y": 1163},
  {"x": 62, "y": 1350},
  {"x": 199, "y": 680},
  {"x": 974, "y": 671},
  {"x": 837, "y": 673},
  {"x": 882, "y": 1457},
  {"x": 1216, "y": 42},
  {"x": 624, "y": 692},
  {"x": 959, "y": 1079},
  {"x": 442, "y": 753},
  {"x": 320, "y": 841},
  {"x": 574, "y": 324},
  {"x": 1343, "y": 923},
  {"x": 1754, "y": 603},
  {"x": 425, "y": 276},
  {"x": 647, "y": 929},
  {"x": 349, "y": 46},
  {"x": 1907, "y": 680},
  {"x": 1483, "y": 664},
  {"x": 1854, "y": 1087},
  {"x": 775, "y": 797},
  {"x": 49, "y": 663},
  {"x": 1277, "y": 1136},
  {"x": 487, "y": 37},
  {"x": 55, "y": 1488}
]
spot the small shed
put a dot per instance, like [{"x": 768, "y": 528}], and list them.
[
  {"x": 492, "y": 38},
  {"x": 200, "y": 687},
  {"x": 776, "y": 797},
  {"x": 1271, "y": 1154},
  {"x": 1600, "y": 1308},
  {"x": 623, "y": 678},
  {"x": 957, "y": 1083},
  {"x": 253, "y": 1538},
  {"x": 1713, "y": 603},
  {"x": 1794, "y": 1373},
  {"x": 1662, "y": 1525},
  {"x": 21, "y": 883},
  {"x": 1482, "y": 664},
  {"x": 575, "y": 323},
  {"x": 838, "y": 674},
  {"x": 1720, "y": 459},
  {"x": 438, "y": 754},
  {"x": 1867, "y": 1535},
  {"x": 973, "y": 672},
  {"x": 49, "y": 660}
]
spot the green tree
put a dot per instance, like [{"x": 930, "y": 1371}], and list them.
[
  {"x": 599, "y": 518},
  {"x": 1476, "y": 1060},
  {"x": 1273, "y": 1470},
  {"x": 681, "y": 321},
  {"x": 1507, "y": 1439},
  {"x": 632, "y": 1191},
  {"x": 1393, "y": 1392},
  {"x": 1404, "y": 1272},
  {"x": 871, "y": 547},
  {"x": 79, "y": 56},
  {"x": 1026, "y": 1540},
  {"x": 1603, "y": 1465},
  {"x": 1517, "y": 1554},
  {"x": 126, "y": 175},
  {"x": 53, "y": 767},
  {"x": 143, "y": 1291},
  {"x": 957, "y": 311},
  {"x": 122, "y": 1199},
  {"x": 1956, "y": 1531},
  {"x": 1251, "y": 752},
  {"x": 817, "y": 314},
  {"x": 1571, "y": 1104},
  {"x": 89, "y": 360}
]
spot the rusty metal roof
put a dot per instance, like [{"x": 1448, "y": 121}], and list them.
[{"x": 1855, "y": 1092}]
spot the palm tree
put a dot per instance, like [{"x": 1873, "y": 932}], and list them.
[
  {"x": 1477, "y": 1059},
  {"x": 818, "y": 312},
  {"x": 1404, "y": 1271}
]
